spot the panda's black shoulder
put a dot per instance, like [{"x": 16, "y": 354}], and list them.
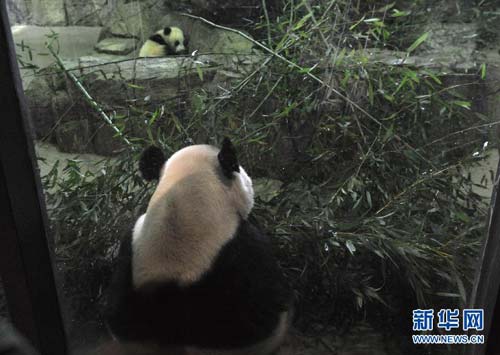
[
  {"x": 249, "y": 258},
  {"x": 119, "y": 294},
  {"x": 244, "y": 293},
  {"x": 157, "y": 38}
]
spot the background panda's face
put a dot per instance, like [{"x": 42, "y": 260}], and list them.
[{"x": 175, "y": 39}]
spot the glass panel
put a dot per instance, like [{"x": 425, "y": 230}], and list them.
[
  {"x": 4, "y": 312},
  {"x": 369, "y": 129}
]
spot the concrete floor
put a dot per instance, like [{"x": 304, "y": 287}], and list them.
[
  {"x": 72, "y": 42},
  {"x": 50, "y": 155}
]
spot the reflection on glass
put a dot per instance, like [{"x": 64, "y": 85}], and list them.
[{"x": 370, "y": 129}]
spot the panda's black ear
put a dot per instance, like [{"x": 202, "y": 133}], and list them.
[
  {"x": 227, "y": 158},
  {"x": 166, "y": 31},
  {"x": 151, "y": 162}
]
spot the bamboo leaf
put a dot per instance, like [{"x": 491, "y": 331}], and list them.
[
  {"x": 418, "y": 42},
  {"x": 350, "y": 246},
  {"x": 461, "y": 103},
  {"x": 200, "y": 72}
]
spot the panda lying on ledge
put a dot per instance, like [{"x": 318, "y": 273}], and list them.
[
  {"x": 195, "y": 274},
  {"x": 168, "y": 41}
]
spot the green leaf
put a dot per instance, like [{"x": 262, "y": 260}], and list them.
[
  {"x": 153, "y": 118},
  {"x": 433, "y": 77},
  {"x": 462, "y": 216},
  {"x": 418, "y": 42},
  {"x": 302, "y": 21},
  {"x": 350, "y": 246},
  {"x": 483, "y": 71},
  {"x": 448, "y": 294},
  {"x": 266, "y": 189},
  {"x": 370, "y": 92},
  {"x": 135, "y": 86},
  {"x": 389, "y": 98},
  {"x": 200, "y": 72},
  {"x": 340, "y": 57},
  {"x": 398, "y": 13},
  {"x": 356, "y": 24},
  {"x": 387, "y": 7},
  {"x": 464, "y": 104},
  {"x": 374, "y": 19}
]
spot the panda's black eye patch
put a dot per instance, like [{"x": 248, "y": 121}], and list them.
[{"x": 177, "y": 43}]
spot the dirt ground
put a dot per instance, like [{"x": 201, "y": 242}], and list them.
[{"x": 360, "y": 340}]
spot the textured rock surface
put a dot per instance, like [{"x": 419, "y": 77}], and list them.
[
  {"x": 38, "y": 99},
  {"x": 118, "y": 46},
  {"x": 19, "y": 11},
  {"x": 136, "y": 19},
  {"x": 49, "y": 12},
  {"x": 208, "y": 39},
  {"x": 73, "y": 136},
  {"x": 88, "y": 12},
  {"x": 98, "y": 12},
  {"x": 105, "y": 141},
  {"x": 72, "y": 42},
  {"x": 61, "y": 12},
  {"x": 453, "y": 42},
  {"x": 362, "y": 339}
]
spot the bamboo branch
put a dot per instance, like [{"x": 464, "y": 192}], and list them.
[
  {"x": 311, "y": 75},
  {"x": 93, "y": 103},
  {"x": 266, "y": 15}
]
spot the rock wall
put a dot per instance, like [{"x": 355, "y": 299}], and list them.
[
  {"x": 98, "y": 12},
  {"x": 62, "y": 12},
  {"x": 19, "y": 11}
]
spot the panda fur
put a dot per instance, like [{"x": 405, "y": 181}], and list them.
[
  {"x": 195, "y": 273},
  {"x": 168, "y": 41}
]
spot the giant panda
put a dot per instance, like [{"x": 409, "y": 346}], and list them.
[
  {"x": 168, "y": 41},
  {"x": 195, "y": 275}
]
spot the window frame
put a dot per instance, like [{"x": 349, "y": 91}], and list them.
[
  {"x": 26, "y": 262},
  {"x": 486, "y": 288}
]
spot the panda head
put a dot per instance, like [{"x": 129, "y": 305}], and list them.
[
  {"x": 216, "y": 171},
  {"x": 175, "y": 39}
]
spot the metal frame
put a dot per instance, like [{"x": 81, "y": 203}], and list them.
[
  {"x": 25, "y": 255},
  {"x": 485, "y": 292}
]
